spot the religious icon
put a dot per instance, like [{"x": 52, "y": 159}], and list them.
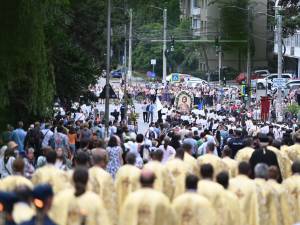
[{"x": 184, "y": 102}]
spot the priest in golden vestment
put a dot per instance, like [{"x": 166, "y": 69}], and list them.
[
  {"x": 147, "y": 206},
  {"x": 210, "y": 158},
  {"x": 164, "y": 181},
  {"x": 292, "y": 186},
  {"x": 213, "y": 192},
  {"x": 284, "y": 162},
  {"x": 232, "y": 201},
  {"x": 127, "y": 179},
  {"x": 264, "y": 194},
  {"x": 190, "y": 160},
  {"x": 280, "y": 214},
  {"x": 79, "y": 206},
  {"x": 10, "y": 183},
  {"x": 192, "y": 208},
  {"x": 49, "y": 174},
  {"x": 245, "y": 189},
  {"x": 178, "y": 168},
  {"x": 101, "y": 183},
  {"x": 231, "y": 164},
  {"x": 294, "y": 150},
  {"x": 244, "y": 154}
]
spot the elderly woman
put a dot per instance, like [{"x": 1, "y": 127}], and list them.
[{"x": 114, "y": 152}]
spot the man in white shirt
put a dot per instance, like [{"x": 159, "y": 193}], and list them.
[{"x": 47, "y": 135}]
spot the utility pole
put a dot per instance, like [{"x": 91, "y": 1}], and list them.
[
  {"x": 125, "y": 50},
  {"x": 220, "y": 63},
  {"x": 165, "y": 48},
  {"x": 125, "y": 77},
  {"x": 249, "y": 53},
  {"x": 130, "y": 48},
  {"x": 279, "y": 58},
  {"x": 107, "y": 67}
]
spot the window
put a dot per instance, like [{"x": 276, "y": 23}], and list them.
[{"x": 196, "y": 3}]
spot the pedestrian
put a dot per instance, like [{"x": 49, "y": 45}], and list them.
[
  {"x": 72, "y": 137},
  {"x": 18, "y": 136},
  {"x": 34, "y": 139},
  {"x": 42, "y": 196},
  {"x": 145, "y": 113},
  {"x": 6, "y": 162},
  {"x": 48, "y": 133},
  {"x": 168, "y": 151},
  {"x": 114, "y": 152},
  {"x": 151, "y": 112}
]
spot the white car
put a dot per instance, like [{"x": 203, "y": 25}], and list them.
[
  {"x": 262, "y": 83},
  {"x": 262, "y": 73},
  {"x": 195, "y": 82},
  {"x": 291, "y": 85}
]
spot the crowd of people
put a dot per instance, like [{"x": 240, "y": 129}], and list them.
[{"x": 218, "y": 164}]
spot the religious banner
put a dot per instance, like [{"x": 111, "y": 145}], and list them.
[
  {"x": 265, "y": 108},
  {"x": 184, "y": 102}
]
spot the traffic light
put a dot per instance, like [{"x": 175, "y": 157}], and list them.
[
  {"x": 217, "y": 44},
  {"x": 172, "y": 43}
]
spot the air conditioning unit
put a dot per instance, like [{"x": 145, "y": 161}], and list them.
[
  {"x": 292, "y": 51},
  {"x": 196, "y": 11}
]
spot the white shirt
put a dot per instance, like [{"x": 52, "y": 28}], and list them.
[
  {"x": 168, "y": 153},
  {"x": 47, "y": 135}
]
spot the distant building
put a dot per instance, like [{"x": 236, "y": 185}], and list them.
[
  {"x": 204, "y": 23},
  {"x": 291, "y": 54}
]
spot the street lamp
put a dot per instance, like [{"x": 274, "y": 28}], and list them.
[
  {"x": 128, "y": 73},
  {"x": 279, "y": 52},
  {"x": 164, "y": 43},
  {"x": 108, "y": 53},
  {"x": 249, "y": 11}
]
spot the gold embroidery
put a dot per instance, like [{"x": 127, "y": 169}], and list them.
[
  {"x": 144, "y": 214},
  {"x": 239, "y": 193},
  {"x": 186, "y": 217}
]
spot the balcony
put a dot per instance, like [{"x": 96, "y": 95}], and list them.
[
  {"x": 292, "y": 45},
  {"x": 196, "y": 11}
]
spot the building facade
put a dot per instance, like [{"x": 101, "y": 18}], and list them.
[
  {"x": 291, "y": 62},
  {"x": 205, "y": 19}
]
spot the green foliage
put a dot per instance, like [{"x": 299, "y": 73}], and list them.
[
  {"x": 26, "y": 80},
  {"x": 293, "y": 108},
  {"x": 291, "y": 18},
  {"x": 234, "y": 22}
]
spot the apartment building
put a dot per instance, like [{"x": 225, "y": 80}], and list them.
[
  {"x": 205, "y": 19},
  {"x": 291, "y": 53}
]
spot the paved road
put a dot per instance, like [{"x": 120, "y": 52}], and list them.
[{"x": 142, "y": 127}]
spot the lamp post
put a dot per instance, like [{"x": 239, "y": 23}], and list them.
[
  {"x": 107, "y": 67},
  {"x": 279, "y": 58},
  {"x": 165, "y": 17}
]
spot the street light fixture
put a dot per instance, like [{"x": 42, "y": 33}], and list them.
[
  {"x": 164, "y": 43},
  {"x": 108, "y": 53}
]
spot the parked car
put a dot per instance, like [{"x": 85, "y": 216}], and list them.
[
  {"x": 262, "y": 73},
  {"x": 117, "y": 73},
  {"x": 243, "y": 77},
  {"x": 268, "y": 81},
  {"x": 291, "y": 85}
]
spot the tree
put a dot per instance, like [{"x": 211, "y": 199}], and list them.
[
  {"x": 26, "y": 80},
  {"x": 291, "y": 18},
  {"x": 233, "y": 25}
]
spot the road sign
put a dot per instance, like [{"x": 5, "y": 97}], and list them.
[
  {"x": 253, "y": 83},
  {"x": 279, "y": 82},
  {"x": 151, "y": 74},
  {"x": 153, "y": 61},
  {"x": 175, "y": 77}
]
